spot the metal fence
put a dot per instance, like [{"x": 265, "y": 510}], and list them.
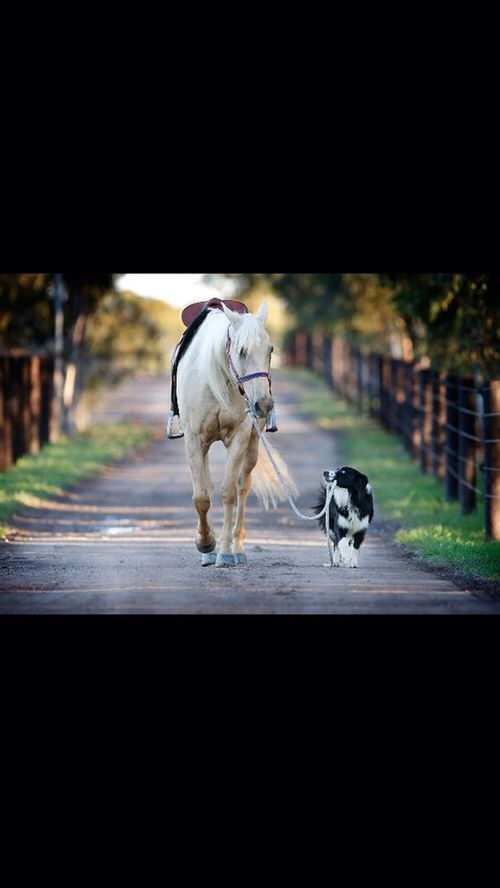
[
  {"x": 450, "y": 424},
  {"x": 26, "y": 404}
]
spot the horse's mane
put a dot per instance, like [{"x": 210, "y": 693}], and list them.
[{"x": 204, "y": 355}]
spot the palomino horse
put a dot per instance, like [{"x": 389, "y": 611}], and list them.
[{"x": 224, "y": 371}]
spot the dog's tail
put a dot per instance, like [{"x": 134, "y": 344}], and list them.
[
  {"x": 265, "y": 483},
  {"x": 319, "y": 506}
]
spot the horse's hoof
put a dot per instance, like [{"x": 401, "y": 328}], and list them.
[
  {"x": 224, "y": 560},
  {"x": 208, "y": 558},
  {"x": 240, "y": 558},
  {"x": 208, "y": 548}
]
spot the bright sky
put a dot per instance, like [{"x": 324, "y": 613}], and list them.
[{"x": 177, "y": 289}]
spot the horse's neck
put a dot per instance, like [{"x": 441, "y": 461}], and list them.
[{"x": 205, "y": 360}]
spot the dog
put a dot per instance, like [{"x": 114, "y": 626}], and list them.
[{"x": 351, "y": 512}]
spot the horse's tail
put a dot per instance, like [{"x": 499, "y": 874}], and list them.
[{"x": 265, "y": 483}]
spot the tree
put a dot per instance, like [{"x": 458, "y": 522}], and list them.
[
  {"x": 453, "y": 319},
  {"x": 107, "y": 334}
]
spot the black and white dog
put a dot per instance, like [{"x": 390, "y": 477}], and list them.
[{"x": 351, "y": 511}]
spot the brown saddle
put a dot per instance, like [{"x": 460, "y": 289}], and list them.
[{"x": 192, "y": 311}]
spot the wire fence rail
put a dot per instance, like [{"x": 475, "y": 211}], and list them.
[
  {"x": 450, "y": 424},
  {"x": 26, "y": 404}
]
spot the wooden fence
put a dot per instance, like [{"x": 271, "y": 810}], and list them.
[
  {"x": 26, "y": 399},
  {"x": 450, "y": 424}
]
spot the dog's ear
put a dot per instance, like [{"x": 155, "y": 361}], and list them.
[{"x": 361, "y": 483}]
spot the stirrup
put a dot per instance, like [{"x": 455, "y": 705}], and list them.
[
  {"x": 271, "y": 421},
  {"x": 170, "y": 422}
]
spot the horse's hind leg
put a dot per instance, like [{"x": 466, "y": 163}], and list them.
[{"x": 202, "y": 489}]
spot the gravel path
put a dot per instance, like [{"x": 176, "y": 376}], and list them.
[{"x": 124, "y": 541}]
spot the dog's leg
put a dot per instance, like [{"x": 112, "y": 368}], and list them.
[
  {"x": 333, "y": 551},
  {"x": 344, "y": 551},
  {"x": 357, "y": 540}
]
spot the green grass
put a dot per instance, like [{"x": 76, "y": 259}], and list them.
[
  {"x": 427, "y": 523},
  {"x": 38, "y": 476}
]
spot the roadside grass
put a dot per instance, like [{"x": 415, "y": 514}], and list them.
[
  {"x": 427, "y": 523},
  {"x": 37, "y": 476}
]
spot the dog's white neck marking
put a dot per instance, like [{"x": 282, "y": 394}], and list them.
[
  {"x": 341, "y": 496},
  {"x": 353, "y": 524}
]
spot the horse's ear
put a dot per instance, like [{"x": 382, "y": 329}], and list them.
[
  {"x": 262, "y": 312},
  {"x": 234, "y": 317}
]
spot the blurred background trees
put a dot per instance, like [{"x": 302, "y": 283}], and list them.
[
  {"x": 107, "y": 334},
  {"x": 451, "y": 319}
]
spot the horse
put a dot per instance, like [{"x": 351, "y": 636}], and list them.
[{"x": 219, "y": 379}]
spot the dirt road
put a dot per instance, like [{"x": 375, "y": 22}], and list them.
[{"x": 124, "y": 542}]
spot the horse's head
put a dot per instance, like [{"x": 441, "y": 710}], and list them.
[{"x": 250, "y": 351}]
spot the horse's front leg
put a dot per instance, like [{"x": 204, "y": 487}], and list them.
[
  {"x": 229, "y": 493},
  {"x": 244, "y": 484},
  {"x": 197, "y": 454}
]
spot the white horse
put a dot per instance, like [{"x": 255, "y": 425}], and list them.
[{"x": 227, "y": 349}]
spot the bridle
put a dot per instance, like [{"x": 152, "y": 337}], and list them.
[
  {"x": 241, "y": 379},
  {"x": 271, "y": 417}
]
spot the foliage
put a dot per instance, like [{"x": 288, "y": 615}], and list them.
[
  {"x": 26, "y": 309},
  {"x": 453, "y": 319},
  {"x": 107, "y": 334},
  {"x": 127, "y": 332}
]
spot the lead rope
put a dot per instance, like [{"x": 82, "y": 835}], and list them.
[{"x": 329, "y": 488}]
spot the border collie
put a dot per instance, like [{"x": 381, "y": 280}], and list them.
[{"x": 351, "y": 511}]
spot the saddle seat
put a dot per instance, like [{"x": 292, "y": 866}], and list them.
[{"x": 192, "y": 311}]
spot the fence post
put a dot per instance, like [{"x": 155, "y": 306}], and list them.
[
  {"x": 373, "y": 385},
  {"x": 15, "y": 406},
  {"x": 408, "y": 410},
  {"x": 467, "y": 445},
  {"x": 46, "y": 398},
  {"x": 300, "y": 348},
  {"x": 358, "y": 371},
  {"x": 425, "y": 393},
  {"x": 6, "y": 455},
  {"x": 451, "y": 438},
  {"x": 346, "y": 372},
  {"x": 397, "y": 396},
  {"x": 491, "y": 466},
  {"x": 334, "y": 362},
  {"x": 317, "y": 354},
  {"x": 327, "y": 360},
  {"x": 438, "y": 423},
  {"x": 309, "y": 351},
  {"x": 385, "y": 388}
]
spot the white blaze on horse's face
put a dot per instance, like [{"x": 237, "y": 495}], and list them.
[{"x": 251, "y": 353}]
